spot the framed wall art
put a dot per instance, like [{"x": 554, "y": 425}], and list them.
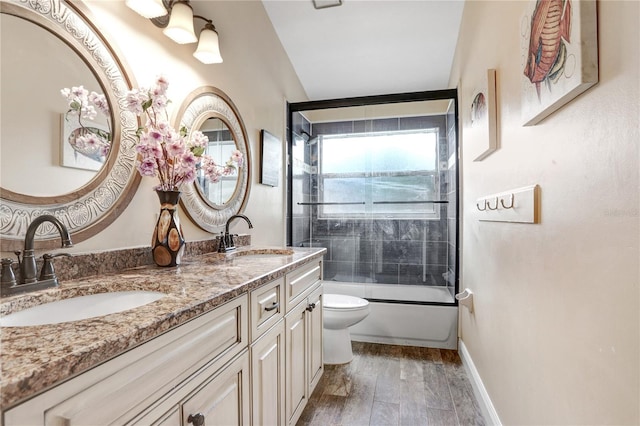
[
  {"x": 271, "y": 157},
  {"x": 481, "y": 139},
  {"x": 559, "y": 55},
  {"x": 84, "y": 147}
]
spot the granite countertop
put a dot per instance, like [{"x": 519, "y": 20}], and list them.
[{"x": 35, "y": 358}]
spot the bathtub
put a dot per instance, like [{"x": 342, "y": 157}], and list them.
[{"x": 408, "y": 324}]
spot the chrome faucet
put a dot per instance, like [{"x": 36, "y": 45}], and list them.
[
  {"x": 28, "y": 269},
  {"x": 226, "y": 240}
]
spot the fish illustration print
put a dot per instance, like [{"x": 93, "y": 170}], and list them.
[{"x": 550, "y": 29}]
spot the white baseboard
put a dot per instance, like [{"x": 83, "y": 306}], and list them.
[{"x": 486, "y": 406}]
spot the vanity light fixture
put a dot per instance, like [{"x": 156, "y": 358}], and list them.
[
  {"x": 147, "y": 8},
  {"x": 180, "y": 27},
  {"x": 177, "y": 21},
  {"x": 208, "y": 51}
]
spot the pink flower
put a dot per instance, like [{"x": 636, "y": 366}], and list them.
[
  {"x": 91, "y": 141},
  {"x": 89, "y": 112},
  {"x": 236, "y": 156},
  {"x": 162, "y": 84},
  {"x": 163, "y": 127},
  {"x": 189, "y": 160},
  {"x": 100, "y": 102},
  {"x": 134, "y": 101},
  {"x": 188, "y": 175},
  {"x": 159, "y": 102},
  {"x": 147, "y": 167},
  {"x": 175, "y": 148},
  {"x": 165, "y": 153},
  {"x": 199, "y": 139}
]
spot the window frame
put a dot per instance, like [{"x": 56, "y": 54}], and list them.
[{"x": 369, "y": 212}]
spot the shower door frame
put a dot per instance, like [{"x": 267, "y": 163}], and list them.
[{"x": 432, "y": 95}]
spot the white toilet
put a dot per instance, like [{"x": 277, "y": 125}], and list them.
[{"x": 340, "y": 313}]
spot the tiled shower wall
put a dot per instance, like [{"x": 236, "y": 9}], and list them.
[{"x": 378, "y": 250}]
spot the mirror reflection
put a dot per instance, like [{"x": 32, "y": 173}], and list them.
[
  {"x": 220, "y": 147},
  {"x": 36, "y": 130},
  {"x": 78, "y": 168}
]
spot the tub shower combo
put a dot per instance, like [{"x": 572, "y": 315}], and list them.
[{"x": 375, "y": 181}]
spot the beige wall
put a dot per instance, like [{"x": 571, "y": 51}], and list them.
[
  {"x": 257, "y": 76},
  {"x": 555, "y": 332}
]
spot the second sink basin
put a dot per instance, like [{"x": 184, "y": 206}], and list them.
[{"x": 79, "y": 308}]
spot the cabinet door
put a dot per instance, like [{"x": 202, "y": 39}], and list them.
[
  {"x": 296, "y": 354},
  {"x": 267, "y": 378},
  {"x": 314, "y": 320},
  {"x": 222, "y": 400}
]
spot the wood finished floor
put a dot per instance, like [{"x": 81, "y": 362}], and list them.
[{"x": 394, "y": 385}]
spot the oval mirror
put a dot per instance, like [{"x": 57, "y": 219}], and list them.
[
  {"x": 211, "y": 111},
  {"x": 47, "y": 166}
]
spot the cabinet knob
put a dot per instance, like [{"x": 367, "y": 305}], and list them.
[
  {"x": 311, "y": 307},
  {"x": 196, "y": 419}
]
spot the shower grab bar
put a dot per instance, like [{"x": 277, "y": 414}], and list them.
[
  {"x": 412, "y": 202},
  {"x": 375, "y": 202},
  {"x": 327, "y": 204}
]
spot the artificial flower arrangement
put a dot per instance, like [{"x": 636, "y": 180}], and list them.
[
  {"x": 174, "y": 157},
  {"x": 88, "y": 140}
]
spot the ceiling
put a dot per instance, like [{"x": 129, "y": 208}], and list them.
[{"x": 368, "y": 47}]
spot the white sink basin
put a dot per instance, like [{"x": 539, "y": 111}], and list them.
[{"x": 79, "y": 308}]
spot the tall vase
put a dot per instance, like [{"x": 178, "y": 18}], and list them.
[{"x": 168, "y": 244}]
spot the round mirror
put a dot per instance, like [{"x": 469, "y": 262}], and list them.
[
  {"x": 77, "y": 167},
  {"x": 209, "y": 204}
]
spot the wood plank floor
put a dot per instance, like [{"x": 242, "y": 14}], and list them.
[{"x": 394, "y": 385}]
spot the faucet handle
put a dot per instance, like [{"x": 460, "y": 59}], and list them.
[
  {"x": 222, "y": 243},
  {"x": 47, "y": 271},
  {"x": 7, "y": 277}
]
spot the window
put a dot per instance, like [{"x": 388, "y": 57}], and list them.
[{"x": 379, "y": 175}]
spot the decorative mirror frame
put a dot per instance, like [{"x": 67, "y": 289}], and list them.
[
  {"x": 94, "y": 206},
  {"x": 203, "y": 103}
]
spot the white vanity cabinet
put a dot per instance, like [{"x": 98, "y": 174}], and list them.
[
  {"x": 184, "y": 369},
  {"x": 303, "y": 338},
  {"x": 253, "y": 360}
]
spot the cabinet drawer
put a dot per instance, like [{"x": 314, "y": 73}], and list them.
[
  {"x": 116, "y": 390},
  {"x": 299, "y": 281},
  {"x": 267, "y": 307},
  {"x": 223, "y": 400}
]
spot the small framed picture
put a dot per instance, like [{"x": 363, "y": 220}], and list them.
[
  {"x": 482, "y": 137},
  {"x": 85, "y": 148},
  {"x": 271, "y": 156}
]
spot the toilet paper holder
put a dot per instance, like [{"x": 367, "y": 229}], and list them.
[{"x": 465, "y": 298}]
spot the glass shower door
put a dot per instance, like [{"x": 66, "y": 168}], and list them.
[{"x": 380, "y": 194}]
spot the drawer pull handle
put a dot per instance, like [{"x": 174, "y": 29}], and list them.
[
  {"x": 311, "y": 307},
  {"x": 272, "y": 307},
  {"x": 197, "y": 419}
]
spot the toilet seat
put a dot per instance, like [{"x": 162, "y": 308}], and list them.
[{"x": 343, "y": 302}]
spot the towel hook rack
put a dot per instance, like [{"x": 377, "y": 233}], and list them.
[
  {"x": 489, "y": 205},
  {"x": 510, "y": 206},
  {"x": 484, "y": 205}
]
